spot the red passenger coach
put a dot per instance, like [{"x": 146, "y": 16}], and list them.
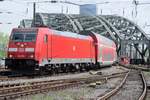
[
  {"x": 44, "y": 48},
  {"x": 105, "y": 51}
]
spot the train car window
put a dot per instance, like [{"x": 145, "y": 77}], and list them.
[
  {"x": 46, "y": 38},
  {"x": 108, "y": 57}
]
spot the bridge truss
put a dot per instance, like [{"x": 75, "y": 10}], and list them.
[{"x": 130, "y": 39}]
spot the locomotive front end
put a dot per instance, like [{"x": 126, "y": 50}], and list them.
[{"x": 21, "y": 48}]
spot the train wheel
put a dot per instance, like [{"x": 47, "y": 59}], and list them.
[
  {"x": 56, "y": 70},
  {"x": 63, "y": 68},
  {"x": 77, "y": 67},
  {"x": 87, "y": 67},
  {"x": 72, "y": 68},
  {"x": 96, "y": 67},
  {"x": 42, "y": 71},
  {"x": 81, "y": 68},
  {"x": 67, "y": 68}
]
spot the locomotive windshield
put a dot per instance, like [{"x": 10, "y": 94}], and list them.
[{"x": 23, "y": 36}]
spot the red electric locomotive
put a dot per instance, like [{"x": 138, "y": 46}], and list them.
[{"x": 46, "y": 49}]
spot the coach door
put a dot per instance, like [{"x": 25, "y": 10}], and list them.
[{"x": 46, "y": 45}]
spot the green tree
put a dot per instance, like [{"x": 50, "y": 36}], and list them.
[{"x": 3, "y": 44}]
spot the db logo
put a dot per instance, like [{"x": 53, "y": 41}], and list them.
[{"x": 74, "y": 48}]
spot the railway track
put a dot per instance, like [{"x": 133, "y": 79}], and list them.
[
  {"x": 138, "y": 67},
  {"x": 148, "y": 94},
  {"x": 2, "y": 68},
  {"x": 132, "y": 87},
  {"x": 14, "y": 89},
  {"x": 5, "y": 78},
  {"x": 8, "y": 75}
]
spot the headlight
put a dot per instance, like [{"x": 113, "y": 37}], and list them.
[
  {"x": 29, "y": 49},
  {"x": 12, "y": 49},
  {"x": 31, "y": 56},
  {"x": 10, "y": 56}
]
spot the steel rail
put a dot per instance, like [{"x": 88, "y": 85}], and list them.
[
  {"x": 29, "y": 88},
  {"x": 115, "y": 90},
  {"x": 112, "y": 92},
  {"x": 140, "y": 68},
  {"x": 12, "y": 85},
  {"x": 37, "y": 90},
  {"x": 40, "y": 80},
  {"x": 136, "y": 67},
  {"x": 142, "y": 97}
]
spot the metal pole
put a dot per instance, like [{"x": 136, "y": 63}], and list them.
[
  {"x": 34, "y": 12},
  {"x": 148, "y": 60},
  {"x": 142, "y": 56},
  {"x": 62, "y": 9},
  {"x": 130, "y": 51}
]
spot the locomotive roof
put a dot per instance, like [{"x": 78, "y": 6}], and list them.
[
  {"x": 25, "y": 29},
  {"x": 70, "y": 34}
]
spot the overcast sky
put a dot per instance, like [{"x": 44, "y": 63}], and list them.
[{"x": 22, "y": 9}]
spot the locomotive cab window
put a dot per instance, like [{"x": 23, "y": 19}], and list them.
[
  {"x": 17, "y": 37},
  {"x": 23, "y": 37}
]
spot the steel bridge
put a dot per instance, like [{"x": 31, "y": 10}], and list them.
[{"x": 130, "y": 39}]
